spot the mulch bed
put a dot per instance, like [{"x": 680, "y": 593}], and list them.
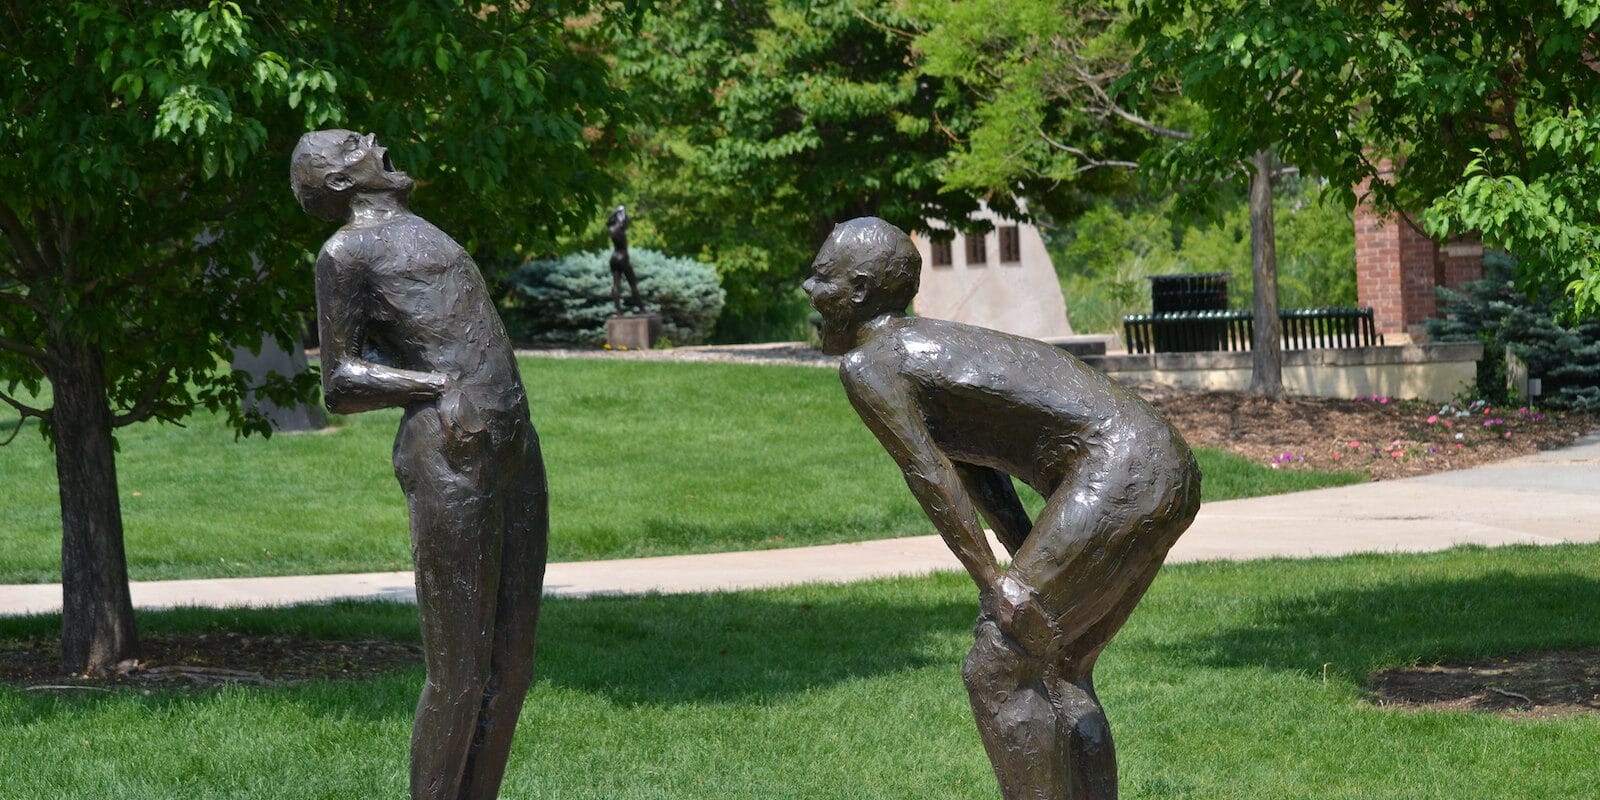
[
  {"x": 209, "y": 660},
  {"x": 1381, "y": 437},
  {"x": 1535, "y": 685}
]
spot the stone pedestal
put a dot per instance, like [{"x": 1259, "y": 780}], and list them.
[{"x": 633, "y": 331}]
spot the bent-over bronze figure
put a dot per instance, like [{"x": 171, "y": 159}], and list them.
[
  {"x": 406, "y": 321},
  {"x": 963, "y": 410}
]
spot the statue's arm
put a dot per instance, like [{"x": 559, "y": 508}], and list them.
[
  {"x": 996, "y": 497},
  {"x": 351, "y": 383},
  {"x": 886, "y": 406}
]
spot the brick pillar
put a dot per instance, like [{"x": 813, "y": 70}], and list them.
[{"x": 1396, "y": 270}]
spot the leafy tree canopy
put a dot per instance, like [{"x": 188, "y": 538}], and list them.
[
  {"x": 1040, "y": 78},
  {"x": 1406, "y": 100},
  {"x": 769, "y": 122},
  {"x": 143, "y": 195}
]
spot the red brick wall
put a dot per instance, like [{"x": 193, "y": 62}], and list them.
[{"x": 1397, "y": 268}]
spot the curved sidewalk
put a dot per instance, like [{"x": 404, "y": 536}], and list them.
[{"x": 1548, "y": 498}]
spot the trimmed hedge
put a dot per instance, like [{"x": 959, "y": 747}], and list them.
[{"x": 567, "y": 300}]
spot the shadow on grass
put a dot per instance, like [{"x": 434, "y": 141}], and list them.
[
  {"x": 735, "y": 648},
  {"x": 1354, "y": 631},
  {"x": 715, "y": 648}
]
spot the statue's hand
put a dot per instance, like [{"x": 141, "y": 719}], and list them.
[
  {"x": 458, "y": 416},
  {"x": 1021, "y": 616}
]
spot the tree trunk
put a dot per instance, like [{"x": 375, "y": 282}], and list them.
[
  {"x": 1266, "y": 346},
  {"x": 97, "y": 629}
]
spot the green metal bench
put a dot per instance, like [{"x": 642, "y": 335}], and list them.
[{"x": 1209, "y": 331}]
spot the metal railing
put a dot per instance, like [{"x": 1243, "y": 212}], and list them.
[{"x": 1209, "y": 331}]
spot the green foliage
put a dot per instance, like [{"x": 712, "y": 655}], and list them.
[
  {"x": 1551, "y": 218},
  {"x": 567, "y": 300},
  {"x": 1035, "y": 75},
  {"x": 1480, "y": 112},
  {"x": 768, "y": 122},
  {"x": 1105, "y": 256},
  {"x": 1495, "y": 311},
  {"x": 142, "y": 194}
]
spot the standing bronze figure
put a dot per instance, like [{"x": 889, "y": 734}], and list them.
[
  {"x": 406, "y": 321},
  {"x": 621, "y": 265},
  {"x": 963, "y": 410}
]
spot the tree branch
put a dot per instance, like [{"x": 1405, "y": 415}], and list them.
[
  {"x": 23, "y": 408},
  {"x": 1141, "y": 122},
  {"x": 145, "y": 406},
  {"x": 24, "y": 411},
  {"x": 879, "y": 25},
  {"x": 27, "y": 350},
  {"x": 1089, "y": 162},
  {"x": 17, "y": 234},
  {"x": 1112, "y": 107}
]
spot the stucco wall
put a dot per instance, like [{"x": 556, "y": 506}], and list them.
[{"x": 1021, "y": 297}]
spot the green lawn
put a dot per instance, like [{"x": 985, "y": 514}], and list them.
[
  {"x": 643, "y": 458},
  {"x": 1230, "y": 681}
]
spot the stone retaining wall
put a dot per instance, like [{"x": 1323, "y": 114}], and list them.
[{"x": 1436, "y": 372}]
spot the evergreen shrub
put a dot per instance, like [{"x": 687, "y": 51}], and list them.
[
  {"x": 1566, "y": 358},
  {"x": 567, "y": 300}
]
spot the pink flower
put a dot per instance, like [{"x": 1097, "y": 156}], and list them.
[
  {"x": 1383, "y": 401},
  {"x": 1433, "y": 419},
  {"x": 1354, "y": 443},
  {"x": 1396, "y": 454}
]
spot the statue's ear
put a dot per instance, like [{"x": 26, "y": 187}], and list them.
[
  {"x": 338, "y": 181},
  {"x": 860, "y": 284}
]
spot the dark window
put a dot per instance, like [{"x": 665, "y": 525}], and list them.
[
  {"x": 977, "y": 252},
  {"x": 1010, "y": 245},
  {"x": 942, "y": 255}
]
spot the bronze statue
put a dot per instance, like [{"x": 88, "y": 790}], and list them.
[
  {"x": 621, "y": 265},
  {"x": 963, "y": 410},
  {"x": 406, "y": 322}
]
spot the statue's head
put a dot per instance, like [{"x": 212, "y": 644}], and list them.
[
  {"x": 329, "y": 167},
  {"x": 865, "y": 269}
]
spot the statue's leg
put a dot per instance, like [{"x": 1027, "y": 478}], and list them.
[
  {"x": 516, "y": 621},
  {"x": 455, "y": 543},
  {"x": 616, "y": 290},
  {"x": 1082, "y": 727},
  {"x": 1093, "y": 552},
  {"x": 633, "y": 286},
  {"x": 1016, "y": 720}
]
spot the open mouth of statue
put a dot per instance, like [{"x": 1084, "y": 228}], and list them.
[{"x": 388, "y": 166}]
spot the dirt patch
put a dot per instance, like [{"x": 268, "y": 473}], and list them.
[
  {"x": 1535, "y": 685},
  {"x": 1378, "y": 436},
  {"x": 209, "y": 660}
]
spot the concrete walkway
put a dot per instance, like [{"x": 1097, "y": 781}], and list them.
[{"x": 1548, "y": 498}]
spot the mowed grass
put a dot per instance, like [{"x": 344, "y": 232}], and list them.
[
  {"x": 643, "y": 459},
  {"x": 1232, "y": 680}
]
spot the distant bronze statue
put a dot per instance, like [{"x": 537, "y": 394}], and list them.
[
  {"x": 962, "y": 410},
  {"x": 406, "y": 322},
  {"x": 621, "y": 265}
]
